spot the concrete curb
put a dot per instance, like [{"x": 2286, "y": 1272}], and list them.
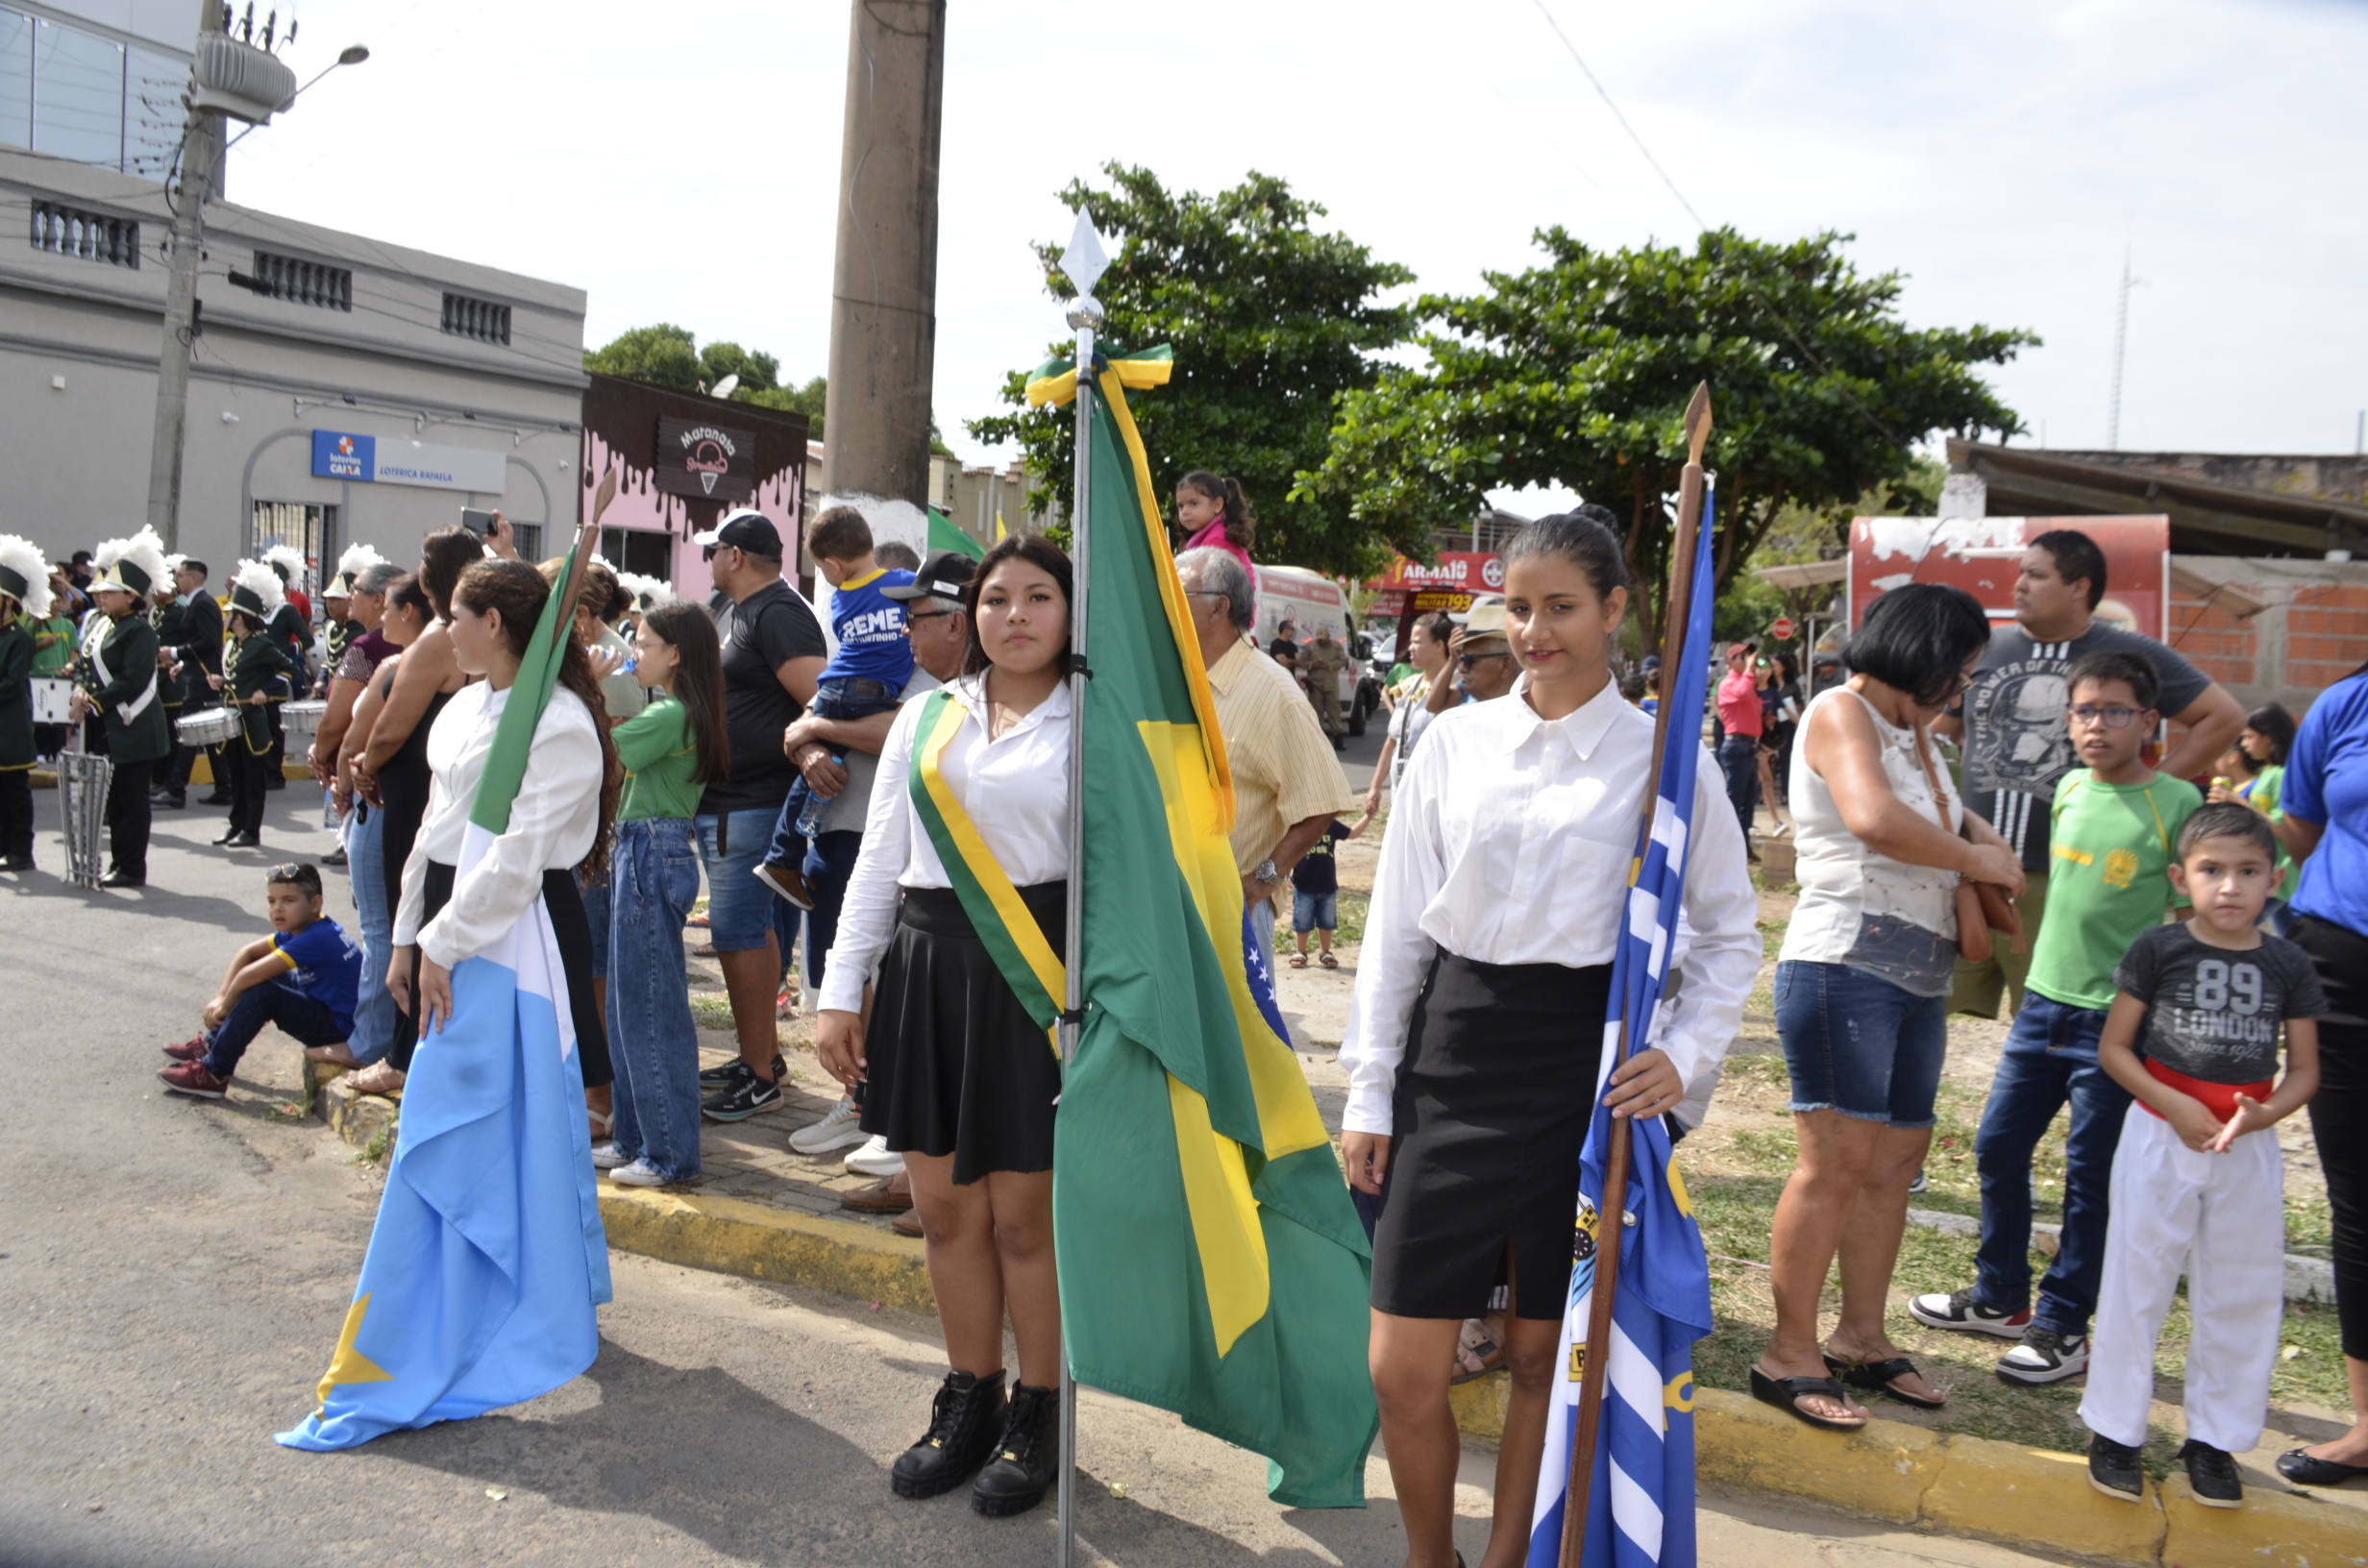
[
  {"x": 1950, "y": 1484},
  {"x": 2306, "y": 1279}
]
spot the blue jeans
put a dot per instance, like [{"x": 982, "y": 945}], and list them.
[
  {"x": 2050, "y": 1060},
  {"x": 1859, "y": 1045},
  {"x": 741, "y": 917},
  {"x": 309, "y": 1022},
  {"x": 1314, "y": 912},
  {"x": 653, "y": 1041},
  {"x": 803, "y": 813},
  {"x": 596, "y": 915},
  {"x": 829, "y": 865},
  {"x": 1738, "y": 759},
  {"x": 373, "y": 1009}
]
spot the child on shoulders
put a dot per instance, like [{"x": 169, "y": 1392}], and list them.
[
  {"x": 304, "y": 977},
  {"x": 2193, "y": 1035}
]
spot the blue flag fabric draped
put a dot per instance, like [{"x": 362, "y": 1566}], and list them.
[
  {"x": 1642, "y": 1499},
  {"x": 488, "y": 1255}
]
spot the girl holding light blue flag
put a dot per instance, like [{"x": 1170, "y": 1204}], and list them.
[
  {"x": 488, "y": 1257},
  {"x": 1475, "y": 1048}
]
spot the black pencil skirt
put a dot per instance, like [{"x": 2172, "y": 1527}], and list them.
[
  {"x": 1492, "y": 1104},
  {"x": 956, "y": 1065},
  {"x": 565, "y": 903}
]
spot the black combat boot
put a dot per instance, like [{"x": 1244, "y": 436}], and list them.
[
  {"x": 1028, "y": 1457},
  {"x": 968, "y": 1412}
]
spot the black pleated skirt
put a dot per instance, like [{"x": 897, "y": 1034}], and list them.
[
  {"x": 572, "y": 929},
  {"x": 957, "y": 1067},
  {"x": 1492, "y": 1104}
]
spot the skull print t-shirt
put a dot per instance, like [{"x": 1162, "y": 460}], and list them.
[{"x": 2017, "y": 741}]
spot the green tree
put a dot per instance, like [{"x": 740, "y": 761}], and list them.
[
  {"x": 1577, "y": 372},
  {"x": 1271, "y": 321},
  {"x": 664, "y": 355},
  {"x": 807, "y": 399},
  {"x": 757, "y": 372}
]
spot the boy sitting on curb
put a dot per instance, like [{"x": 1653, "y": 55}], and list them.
[
  {"x": 2114, "y": 830},
  {"x": 303, "y": 977},
  {"x": 2193, "y": 1033}
]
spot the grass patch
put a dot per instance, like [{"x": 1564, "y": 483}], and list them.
[
  {"x": 1351, "y": 915},
  {"x": 713, "y": 1011},
  {"x": 2309, "y": 1225}
]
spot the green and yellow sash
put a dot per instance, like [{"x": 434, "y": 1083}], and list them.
[{"x": 1014, "y": 940}]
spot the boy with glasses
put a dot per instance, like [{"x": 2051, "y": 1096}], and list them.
[
  {"x": 2114, "y": 835},
  {"x": 304, "y": 977}
]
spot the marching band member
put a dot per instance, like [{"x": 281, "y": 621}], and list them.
[
  {"x": 258, "y": 666},
  {"x": 24, "y": 595},
  {"x": 121, "y": 684}
]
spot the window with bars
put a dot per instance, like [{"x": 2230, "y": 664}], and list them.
[
  {"x": 482, "y": 320},
  {"x": 302, "y": 282},
  {"x": 89, "y": 237}
]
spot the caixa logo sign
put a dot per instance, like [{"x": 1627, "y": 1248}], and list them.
[{"x": 338, "y": 454}]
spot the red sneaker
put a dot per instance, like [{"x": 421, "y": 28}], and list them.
[
  {"x": 192, "y": 1079},
  {"x": 188, "y": 1050}
]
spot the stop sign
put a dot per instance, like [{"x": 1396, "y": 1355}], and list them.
[{"x": 1783, "y": 629}]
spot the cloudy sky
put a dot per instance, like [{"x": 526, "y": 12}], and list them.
[{"x": 680, "y": 162}]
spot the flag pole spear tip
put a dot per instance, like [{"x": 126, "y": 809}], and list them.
[{"x": 1698, "y": 422}]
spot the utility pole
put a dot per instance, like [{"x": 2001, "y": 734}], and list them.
[
  {"x": 883, "y": 315},
  {"x": 201, "y": 156},
  {"x": 2121, "y": 338}
]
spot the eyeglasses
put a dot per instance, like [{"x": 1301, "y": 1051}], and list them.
[
  {"x": 1466, "y": 660},
  {"x": 2113, "y": 717},
  {"x": 292, "y": 871}
]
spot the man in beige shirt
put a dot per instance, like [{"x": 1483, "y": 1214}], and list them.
[{"x": 1287, "y": 784}]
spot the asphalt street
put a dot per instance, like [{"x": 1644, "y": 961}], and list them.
[{"x": 173, "y": 1275}]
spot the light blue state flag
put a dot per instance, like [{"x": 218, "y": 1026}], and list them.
[
  {"x": 488, "y": 1257},
  {"x": 1642, "y": 1499}
]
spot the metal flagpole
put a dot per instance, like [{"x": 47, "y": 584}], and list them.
[
  {"x": 1085, "y": 315},
  {"x": 1612, "y": 1207}
]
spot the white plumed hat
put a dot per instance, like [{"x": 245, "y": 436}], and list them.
[
  {"x": 289, "y": 563},
  {"x": 24, "y": 576},
  {"x": 135, "y": 565},
  {"x": 255, "y": 590},
  {"x": 648, "y": 593},
  {"x": 357, "y": 560}
]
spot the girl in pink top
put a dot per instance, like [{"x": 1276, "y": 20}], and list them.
[{"x": 1213, "y": 511}]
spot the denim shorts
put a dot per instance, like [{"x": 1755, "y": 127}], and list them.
[
  {"x": 1314, "y": 912},
  {"x": 1860, "y": 1045},
  {"x": 740, "y": 912}
]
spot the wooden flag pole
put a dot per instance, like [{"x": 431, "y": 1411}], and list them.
[
  {"x": 587, "y": 544},
  {"x": 1611, "y": 1220}
]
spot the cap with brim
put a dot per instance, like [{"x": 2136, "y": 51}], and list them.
[
  {"x": 749, "y": 530},
  {"x": 1487, "y": 618},
  {"x": 945, "y": 575}
]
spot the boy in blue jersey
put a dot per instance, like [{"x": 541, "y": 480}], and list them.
[
  {"x": 304, "y": 977},
  {"x": 867, "y": 675}
]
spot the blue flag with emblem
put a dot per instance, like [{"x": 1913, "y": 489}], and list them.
[
  {"x": 488, "y": 1255},
  {"x": 1642, "y": 1499}
]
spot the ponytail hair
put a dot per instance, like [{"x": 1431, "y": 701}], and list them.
[
  {"x": 1241, "y": 522},
  {"x": 518, "y": 591}
]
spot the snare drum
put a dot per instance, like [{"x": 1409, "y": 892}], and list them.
[
  {"x": 302, "y": 718},
  {"x": 210, "y": 726},
  {"x": 53, "y": 701}
]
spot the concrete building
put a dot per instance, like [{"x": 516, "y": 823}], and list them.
[{"x": 343, "y": 389}]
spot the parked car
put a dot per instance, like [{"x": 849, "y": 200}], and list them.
[{"x": 1309, "y": 600}]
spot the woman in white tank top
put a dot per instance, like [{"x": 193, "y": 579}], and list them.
[{"x": 1862, "y": 989}]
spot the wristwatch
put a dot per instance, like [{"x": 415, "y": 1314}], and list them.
[{"x": 1267, "y": 874}]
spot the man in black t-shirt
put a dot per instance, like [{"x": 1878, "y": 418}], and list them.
[
  {"x": 2014, "y": 734},
  {"x": 773, "y": 655}
]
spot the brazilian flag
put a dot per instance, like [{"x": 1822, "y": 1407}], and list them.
[{"x": 1211, "y": 1262}]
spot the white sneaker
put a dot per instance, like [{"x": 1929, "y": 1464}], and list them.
[
  {"x": 873, "y": 1159},
  {"x": 605, "y": 1155},
  {"x": 640, "y": 1173},
  {"x": 841, "y": 1129}
]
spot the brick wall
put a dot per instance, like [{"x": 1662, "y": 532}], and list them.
[
  {"x": 2326, "y": 634},
  {"x": 2313, "y": 633}
]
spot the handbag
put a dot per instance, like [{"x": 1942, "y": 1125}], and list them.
[{"x": 1982, "y": 907}]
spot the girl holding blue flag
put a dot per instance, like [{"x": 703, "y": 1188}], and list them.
[
  {"x": 960, "y": 899},
  {"x": 1475, "y": 1040}
]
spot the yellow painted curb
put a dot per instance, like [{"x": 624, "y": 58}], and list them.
[
  {"x": 2034, "y": 1496},
  {"x": 732, "y": 1235},
  {"x": 1884, "y": 1469},
  {"x": 1479, "y": 1406},
  {"x": 2272, "y": 1530}
]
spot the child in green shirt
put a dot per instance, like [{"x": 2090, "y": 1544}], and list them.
[{"x": 2113, "y": 838}]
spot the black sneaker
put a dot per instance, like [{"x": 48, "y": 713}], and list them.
[
  {"x": 1961, "y": 1313},
  {"x": 2211, "y": 1476},
  {"x": 2113, "y": 1469},
  {"x": 2044, "y": 1357},
  {"x": 722, "y": 1074},
  {"x": 743, "y": 1095},
  {"x": 1919, "y": 1183}
]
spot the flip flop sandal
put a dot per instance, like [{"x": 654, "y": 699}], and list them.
[
  {"x": 1787, "y": 1393},
  {"x": 1329, "y": 962},
  {"x": 1880, "y": 1377},
  {"x": 1487, "y": 1352}
]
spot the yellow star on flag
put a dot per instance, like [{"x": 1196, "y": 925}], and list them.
[{"x": 349, "y": 1364}]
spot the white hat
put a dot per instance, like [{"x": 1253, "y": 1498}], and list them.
[
  {"x": 357, "y": 560},
  {"x": 289, "y": 563},
  {"x": 255, "y": 590},
  {"x": 133, "y": 566},
  {"x": 24, "y": 576}
]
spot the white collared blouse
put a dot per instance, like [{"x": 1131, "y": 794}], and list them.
[
  {"x": 1014, "y": 788},
  {"x": 1508, "y": 843}
]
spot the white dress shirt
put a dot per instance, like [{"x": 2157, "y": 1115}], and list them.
[
  {"x": 552, "y": 823},
  {"x": 1015, "y": 791},
  {"x": 1510, "y": 843}
]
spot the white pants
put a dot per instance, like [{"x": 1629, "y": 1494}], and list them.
[{"x": 2229, "y": 1212}]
